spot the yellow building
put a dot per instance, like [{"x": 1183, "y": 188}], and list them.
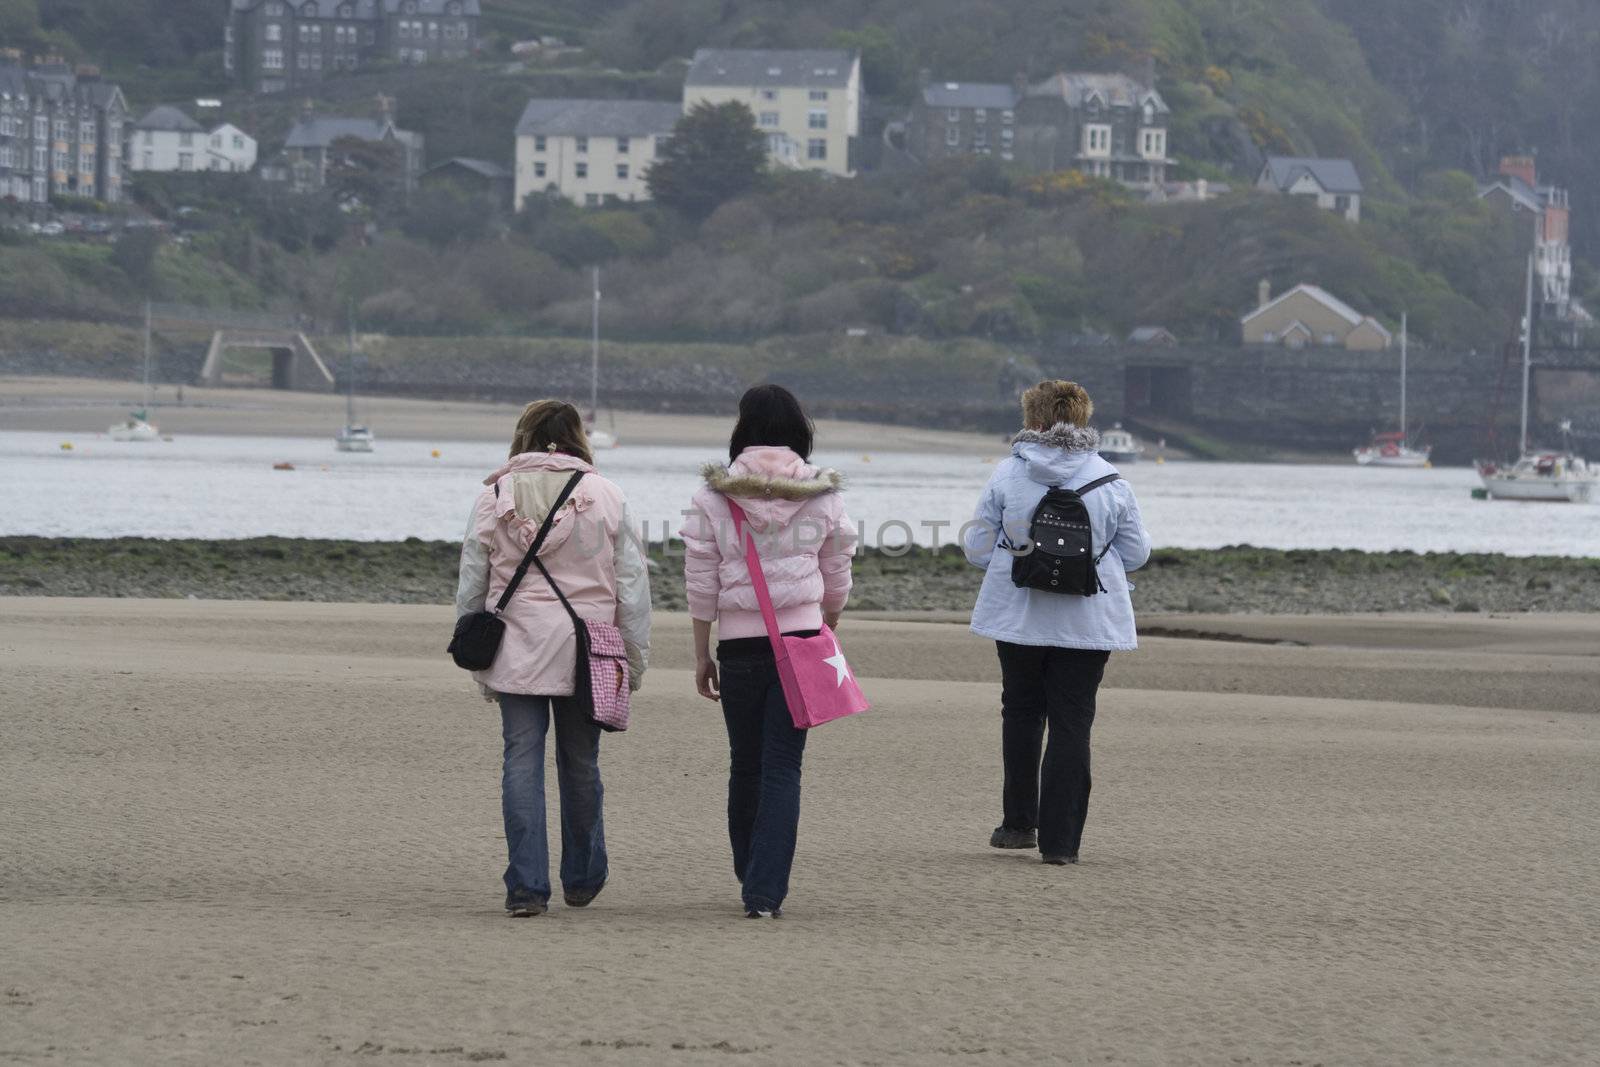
[
  {"x": 1306, "y": 317},
  {"x": 590, "y": 151},
  {"x": 808, "y": 103}
]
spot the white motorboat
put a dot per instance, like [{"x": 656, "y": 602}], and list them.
[
  {"x": 1393, "y": 449},
  {"x": 354, "y": 439},
  {"x": 137, "y": 426},
  {"x": 1119, "y": 446}
]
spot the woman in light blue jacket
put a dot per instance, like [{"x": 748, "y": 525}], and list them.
[{"x": 1053, "y": 646}]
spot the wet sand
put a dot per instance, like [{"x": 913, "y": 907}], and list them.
[
  {"x": 269, "y": 833},
  {"x": 88, "y": 406}
]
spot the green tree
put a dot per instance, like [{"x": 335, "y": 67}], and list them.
[
  {"x": 716, "y": 153},
  {"x": 135, "y": 255},
  {"x": 371, "y": 172}
]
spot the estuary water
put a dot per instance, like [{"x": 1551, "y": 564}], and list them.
[{"x": 199, "y": 486}]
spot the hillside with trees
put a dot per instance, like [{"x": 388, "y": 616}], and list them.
[{"x": 1423, "y": 95}]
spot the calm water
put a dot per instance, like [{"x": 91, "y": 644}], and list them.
[{"x": 222, "y": 487}]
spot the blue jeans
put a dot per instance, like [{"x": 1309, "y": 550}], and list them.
[
  {"x": 763, "y": 778},
  {"x": 524, "y": 721}
]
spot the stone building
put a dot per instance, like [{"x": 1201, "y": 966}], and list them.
[
  {"x": 590, "y": 151},
  {"x": 275, "y": 45},
  {"x": 61, "y": 132},
  {"x": 310, "y": 149},
  {"x": 1332, "y": 183},
  {"x": 808, "y": 103},
  {"x": 1546, "y": 219},
  {"x": 1306, "y": 317},
  {"x": 1108, "y": 125}
]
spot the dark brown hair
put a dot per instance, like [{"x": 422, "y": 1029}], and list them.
[
  {"x": 771, "y": 415},
  {"x": 551, "y": 426}
]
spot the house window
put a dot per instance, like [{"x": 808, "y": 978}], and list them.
[
  {"x": 86, "y": 132},
  {"x": 1007, "y": 155},
  {"x": 980, "y": 115},
  {"x": 272, "y": 59},
  {"x": 274, "y": 32},
  {"x": 581, "y": 170},
  {"x": 1006, "y": 136},
  {"x": 1008, "y": 116},
  {"x": 622, "y": 172},
  {"x": 769, "y": 119},
  {"x": 769, "y": 94},
  {"x": 41, "y": 190},
  {"x": 818, "y": 95},
  {"x": 538, "y": 169},
  {"x": 41, "y": 158},
  {"x": 817, "y": 119},
  {"x": 186, "y": 161},
  {"x": 623, "y": 145},
  {"x": 953, "y": 115},
  {"x": 583, "y": 144},
  {"x": 952, "y": 136},
  {"x": 538, "y": 142},
  {"x": 238, "y": 141},
  {"x": 41, "y": 129},
  {"x": 61, "y": 162},
  {"x": 1329, "y": 339},
  {"x": 302, "y": 60},
  {"x": 816, "y": 148},
  {"x": 149, "y": 161},
  {"x": 1269, "y": 337},
  {"x": 62, "y": 130}
]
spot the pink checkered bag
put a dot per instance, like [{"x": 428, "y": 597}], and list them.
[
  {"x": 818, "y": 684},
  {"x": 600, "y": 677}
]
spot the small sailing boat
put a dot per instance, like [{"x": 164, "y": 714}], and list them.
[
  {"x": 1393, "y": 449},
  {"x": 353, "y": 437},
  {"x": 598, "y": 438},
  {"x": 1119, "y": 446},
  {"x": 137, "y": 426},
  {"x": 1552, "y": 475}
]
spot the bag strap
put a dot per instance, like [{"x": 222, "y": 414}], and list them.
[
  {"x": 538, "y": 541},
  {"x": 758, "y": 577},
  {"x": 1097, "y": 483}
]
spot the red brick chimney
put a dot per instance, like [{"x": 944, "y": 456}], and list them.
[{"x": 1524, "y": 167}]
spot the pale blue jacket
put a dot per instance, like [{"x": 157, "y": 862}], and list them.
[{"x": 1063, "y": 456}]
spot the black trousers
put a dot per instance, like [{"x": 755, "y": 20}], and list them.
[{"x": 1052, "y": 687}]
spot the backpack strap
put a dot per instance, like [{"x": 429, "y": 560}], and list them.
[
  {"x": 533, "y": 550},
  {"x": 1098, "y": 482}
]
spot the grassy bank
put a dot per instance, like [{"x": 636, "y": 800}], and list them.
[{"x": 423, "y": 572}]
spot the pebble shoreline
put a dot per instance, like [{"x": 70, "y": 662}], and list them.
[{"x": 1219, "y": 581}]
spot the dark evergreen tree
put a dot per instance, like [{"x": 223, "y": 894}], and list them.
[{"x": 716, "y": 153}]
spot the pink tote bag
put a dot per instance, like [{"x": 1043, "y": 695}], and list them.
[{"x": 818, "y": 684}]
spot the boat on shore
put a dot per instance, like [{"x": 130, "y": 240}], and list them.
[{"x": 1119, "y": 446}]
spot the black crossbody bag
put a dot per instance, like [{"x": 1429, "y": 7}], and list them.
[{"x": 478, "y": 636}]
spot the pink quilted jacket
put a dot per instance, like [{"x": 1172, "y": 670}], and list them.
[{"x": 805, "y": 539}]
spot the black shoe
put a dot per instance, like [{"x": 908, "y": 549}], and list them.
[
  {"x": 581, "y": 898},
  {"x": 763, "y": 913},
  {"x": 1005, "y": 837},
  {"x": 519, "y": 906},
  {"x": 1057, "y": 860}
]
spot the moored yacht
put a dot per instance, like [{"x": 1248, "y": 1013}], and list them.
[{"x": 1119, "y": 446}]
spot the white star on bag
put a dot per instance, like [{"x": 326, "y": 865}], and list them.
[{"x": 836, "y": 661}]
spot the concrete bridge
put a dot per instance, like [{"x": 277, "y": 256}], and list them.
[{"x": 291, "y": 362}]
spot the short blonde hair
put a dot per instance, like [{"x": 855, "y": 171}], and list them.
[
  {"x": 1051, "y": 402},
  {"x": 551, "y": 426}
]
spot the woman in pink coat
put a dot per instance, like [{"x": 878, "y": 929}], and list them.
[
  {"x": 593, "y": 553},
  {"x": 806, "y": 544}
]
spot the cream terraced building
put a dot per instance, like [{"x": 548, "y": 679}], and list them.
[
  {"x": 807, "y": 102},
  {"x": 590, "y": 151}
]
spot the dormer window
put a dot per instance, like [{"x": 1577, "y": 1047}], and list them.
[{"x": 1149, "y": 112}]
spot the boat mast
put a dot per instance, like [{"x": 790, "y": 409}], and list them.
[
  {"x": 350, "y": 369},
  {"x": 1527, "y": 350},
  {"x": 147, "y": 358},
  {"x": 1403, "y": 339},
  {"x": 594, "y": 356}
]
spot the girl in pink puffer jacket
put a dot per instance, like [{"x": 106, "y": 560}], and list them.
[{"x": 806, "y": 544}]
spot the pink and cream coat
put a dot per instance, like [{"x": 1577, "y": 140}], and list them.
[
  {"x": 805, "y": 539},
  {"x": 592, "y": 551}
]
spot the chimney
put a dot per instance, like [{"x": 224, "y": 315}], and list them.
[
  {"x": 308, "y": 109},
  {"x": 1263, "y": 293},
  {"x": 1524, "y": 167}
]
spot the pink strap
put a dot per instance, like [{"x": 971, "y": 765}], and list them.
[{"x": 758, "y": 578}]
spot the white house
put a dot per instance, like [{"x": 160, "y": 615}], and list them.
[
  {"x": 590, "y": 151},
  {"x": 166, "y": 139},
  {"x": 230, "y": 148},
  {"x": 808, "y": 103},
  {"x": 1333, "y": 183}
]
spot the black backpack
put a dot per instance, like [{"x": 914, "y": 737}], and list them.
[{"x": 1059, "y": 556}]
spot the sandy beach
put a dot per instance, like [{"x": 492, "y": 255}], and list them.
[
  {"x": 269, "y": 833},
  {"x": 88, "y": 406}
]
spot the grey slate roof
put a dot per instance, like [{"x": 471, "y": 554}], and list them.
[
  {"x": 57, "y": 82},
  {"x": 827, "y": 68},
  {"x": 1115, "y": 90},
  {"x": 364, "y": 9},
  {"x": 322, "y": 132},
  {"x": 598, "y": 118},
  {"x": 1334, "y": 175},
  {"x": 168, "y": 118},
  {"x": 481, "y": 167},
  {"x": 970, "y": 94},
  {"x": 1517, "y": 189}
]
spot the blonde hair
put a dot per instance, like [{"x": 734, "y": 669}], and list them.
[
  {"x": 551, "y": 426},
  {"x": 1051, "y": 402}
]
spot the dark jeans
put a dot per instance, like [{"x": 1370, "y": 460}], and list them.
[
  {"x": 763, "y": 777},
  {"x": 524, "y": 722},
  {"x": 1054, "y": 686}
]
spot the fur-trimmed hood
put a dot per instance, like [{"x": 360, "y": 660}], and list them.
[
  {"x": 1062, "y": 435},
  {"x": 1064, "y": 453},
  {"x": 771, "y": 483}
]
